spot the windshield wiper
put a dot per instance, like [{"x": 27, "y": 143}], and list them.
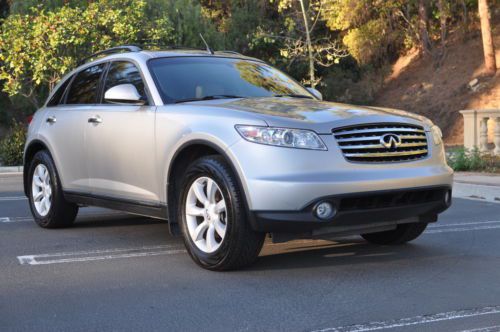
[
  {"x": 294, "y": 96},
  {"x": 213, "y": 97}
]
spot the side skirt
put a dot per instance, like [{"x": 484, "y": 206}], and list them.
[{"x": 158, "y": 211}]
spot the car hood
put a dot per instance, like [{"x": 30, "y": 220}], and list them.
[{"x": 320, "y": 116}]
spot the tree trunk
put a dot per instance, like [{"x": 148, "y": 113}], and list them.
[
  {"x": 309, "y": 46},
  {"x": 443, "y": 16},
  {"x": 488, "y": 46},
  {"x": 466, "y": 17},
  {"x": 423, "y": 25}
]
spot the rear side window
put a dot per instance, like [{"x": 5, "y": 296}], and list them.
[
  {"x": 85, "y": 86},
  {"x": 56, "y": 97},
  {"x": 122, "y": 72}
]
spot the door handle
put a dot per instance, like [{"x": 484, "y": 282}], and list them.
[
  {"x": 51, "y": 119},
  {"x": 95, "y": 119}
]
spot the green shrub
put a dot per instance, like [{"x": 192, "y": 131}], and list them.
[
  {"x": 12, "y": 146},
  {"x": 462, "y": 159},
  {"x": 369, "y": 43}
]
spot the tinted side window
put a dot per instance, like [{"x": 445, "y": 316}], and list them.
[
  {"x": 56, "y": 97},
  {"x": 85, "y": 86},
  {"x": 121, "y": 72}
]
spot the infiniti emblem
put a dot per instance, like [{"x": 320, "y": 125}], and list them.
[{"x": 390, "y": 141}]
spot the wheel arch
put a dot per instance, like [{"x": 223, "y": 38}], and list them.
[
  {"x": 30, "y": 151},
  {"x": 185, "y": 155}
]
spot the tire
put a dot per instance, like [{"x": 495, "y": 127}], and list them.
[
  {"x": 225, "y": 240},
  {"x": 402, "y": 234},
  {"x": 58, "y": 213}
]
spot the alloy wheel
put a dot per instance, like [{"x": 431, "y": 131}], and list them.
[
  {"x": 41, "y": 190},
  {"x": 206, "y": 214}
]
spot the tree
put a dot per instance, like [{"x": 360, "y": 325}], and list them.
[
  {"x": 308, "y": 40},
  {"x": 443, "y": 16},
  {"x": 425, "y": 40},
  {"x": 303, "y": 41},
  {"x": 488, "y": 46},
  {"x": 37, "y": 49}
]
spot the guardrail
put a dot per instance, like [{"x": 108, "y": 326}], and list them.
[{"x": 482, "y": 130}]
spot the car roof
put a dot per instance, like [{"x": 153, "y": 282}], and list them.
[{"x": 145, "y": 55}]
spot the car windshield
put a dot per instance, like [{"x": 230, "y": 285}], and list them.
[{"x": 184, "y": 79}]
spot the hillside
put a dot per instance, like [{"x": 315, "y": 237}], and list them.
[{"x": 417, "y": 85}]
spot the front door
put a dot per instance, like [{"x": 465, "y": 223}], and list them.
[
  {"x": 65, "y": 125},
  {"x": 121, "y": 141}
]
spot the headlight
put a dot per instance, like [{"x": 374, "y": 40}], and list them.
[
  {"x": 292, "y": 138},
  {"x": 437, "y": 135}
]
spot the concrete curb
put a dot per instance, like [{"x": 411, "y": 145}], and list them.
[
  {"x": 11, "y": 169},
  {"x": 477, "y": 191}
]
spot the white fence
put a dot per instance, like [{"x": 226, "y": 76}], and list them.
[{"x": 482, "y": 130}]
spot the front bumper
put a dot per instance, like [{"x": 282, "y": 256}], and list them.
[
  {"x": 358, "y": 213},
  {"x": 283, "y": 185},
  {"x": 283, "y": 179}
]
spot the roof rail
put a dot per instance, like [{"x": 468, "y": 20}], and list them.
[
  {"x": 229, "y": 52},
  {"x": 113, "y": 50},
  {"x": 170, "y": 47}
]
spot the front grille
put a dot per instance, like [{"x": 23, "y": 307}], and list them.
[
  {"x": 363, "y": 143},
  {"x": 393, "y": 199}
]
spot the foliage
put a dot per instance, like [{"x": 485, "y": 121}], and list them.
[
  {"x": 185, "y": 20},
  {"x": 308, "y": 22},
  {"x": 12, "y": 146},
  {"x": 462, "y": 159},
  {"x": 37, "y": 49},
  {"x": 369, "y": 42},
  {"x": 352, "y": 41}
]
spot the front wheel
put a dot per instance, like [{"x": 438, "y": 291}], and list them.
[
  {"x": 45, "y": 194},
  {"x": 402, "y": 234},
  {"x": 213, "y": 217}
]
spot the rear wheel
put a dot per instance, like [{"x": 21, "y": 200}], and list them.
[
  {"x": 402, "y": 234},
  {"x": 213, "y": 217},
  {"x": 47, "y": 203}
]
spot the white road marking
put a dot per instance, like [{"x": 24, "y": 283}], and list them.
[
  {"x": 81, "y": 217},
  {"x": 465, "y": 227},
  {"x": 418, "y": 320},
  {"x": 16, "y": 198},
  {"x": 495, "y": 328},
  {"x": 98, "y": 255},
  {"x": 464, "y": 223}
]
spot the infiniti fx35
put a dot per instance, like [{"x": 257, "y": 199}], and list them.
[{"x": 227, "y": 149}]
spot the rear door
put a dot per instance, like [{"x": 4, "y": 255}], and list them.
[
  {"x": 121, "y": 154},
  {"x": 65, "y": 125}
]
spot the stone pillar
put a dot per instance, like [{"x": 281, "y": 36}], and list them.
[
  {"x": 483, "y": 134},
  {"x": 497, "y": 137},
  {"x": 471, "y": 134}
]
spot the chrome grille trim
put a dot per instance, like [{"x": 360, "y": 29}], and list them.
[
  {"x": 377, "y": 146},
  {"x": 363, "y": 143},
  {"x": 385, "y": 154},
  {"x": 378, "y": 130}
]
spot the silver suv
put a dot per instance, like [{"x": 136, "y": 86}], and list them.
[{"x": 227, "y": 149}]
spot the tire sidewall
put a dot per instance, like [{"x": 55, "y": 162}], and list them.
[
  {"x": 43, "y": 158},
  {"x": 204, "y": 168}
]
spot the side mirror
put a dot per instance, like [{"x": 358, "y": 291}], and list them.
[
  {"x": 124, "y": 94},
  {"x": 315, "y": 93}
]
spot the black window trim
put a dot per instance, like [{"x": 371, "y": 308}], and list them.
[
  {"x": 100, "y": 100},
  {"x": 68, "y": 88},
  {"x": 62, "y": 99}
]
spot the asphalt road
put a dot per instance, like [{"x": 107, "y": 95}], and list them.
[{"x": 124, "y": 273}]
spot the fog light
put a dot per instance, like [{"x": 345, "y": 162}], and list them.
[
  {"x": 447, "y": 198},
  {"x": 325, "y": 210}
]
